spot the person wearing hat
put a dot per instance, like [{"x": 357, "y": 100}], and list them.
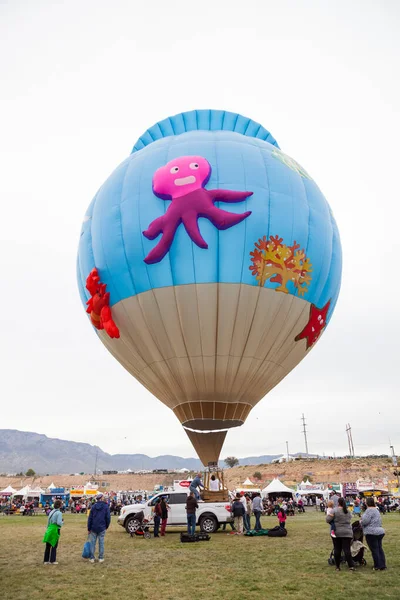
[{"x": 98, "y": 523}]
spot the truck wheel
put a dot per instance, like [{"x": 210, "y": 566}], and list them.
[
  {"x": 208, "y": 524},
  {"x": 131, "y": 524}
]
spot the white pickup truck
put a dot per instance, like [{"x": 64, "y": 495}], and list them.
[{"x": 209, "y": 515}]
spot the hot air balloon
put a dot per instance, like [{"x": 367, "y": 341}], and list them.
[{"x": 209, "y": 263}]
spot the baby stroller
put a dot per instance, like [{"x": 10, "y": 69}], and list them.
[
  {"x": 357, "y": 547},
  {"x": 143, "y": 529}
]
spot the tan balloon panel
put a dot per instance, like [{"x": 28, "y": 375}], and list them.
[{"x": 209, "y": 352}]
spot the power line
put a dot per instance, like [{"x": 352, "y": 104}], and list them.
[{"x": 305, "y": 432}]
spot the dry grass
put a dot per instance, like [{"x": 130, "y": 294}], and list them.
[
  {"x": 322, "y": 471},
  {"x": 226, "y": 567}
]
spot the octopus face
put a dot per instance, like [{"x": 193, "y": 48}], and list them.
[{"x": 181, "y": 176}]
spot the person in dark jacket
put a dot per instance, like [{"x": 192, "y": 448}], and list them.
[
  {"x": 343, "y": 533},
  {"x": 238, "y": 511},
  {"x": 191, "y": 505},
  {"x": 98, "y": 523},
  {"x": 164, "y": 515}
]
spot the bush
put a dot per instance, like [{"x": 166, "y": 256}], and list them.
[{"x": 231, "y": 461}]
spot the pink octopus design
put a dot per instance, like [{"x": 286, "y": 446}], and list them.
[{"x": 182, "y": 180}]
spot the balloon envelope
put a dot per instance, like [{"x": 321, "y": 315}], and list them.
[{"x": 221, "y": 263}]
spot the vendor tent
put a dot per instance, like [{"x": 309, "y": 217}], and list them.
[
  {"x": 51, "y": 486},
  {"x": 28, "y": 492},
  {"x": 248, "y": 483},
  {"x": 276, "y": 487},
  {"x": 8, "y": 491}
]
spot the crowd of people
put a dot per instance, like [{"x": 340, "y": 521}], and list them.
[
  {"x": 244, "y": 506},
  {"x": 339, "y": 518}
]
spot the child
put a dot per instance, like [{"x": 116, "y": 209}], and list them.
[
  {"x": 330, "y": 513},
  {"x": 357, "y": 509},
  {"x": 282, "y": 518}
]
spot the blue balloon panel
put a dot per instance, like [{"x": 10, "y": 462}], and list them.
[{"x": 288, "y": 239}]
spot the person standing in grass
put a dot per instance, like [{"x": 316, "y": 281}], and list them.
[
  {"x": 52, "y": 535},
  {"x": 282, "y": 518},
  {"x": 357, "y": 509},
  {"x": 164, "y": 515},
  {"x": 257, "y": 510},
  {"x": 343, "y": 534},
  {"x": 371, "y": 522},
  {"x": 157, "y": 518},
  {"x": 247, "y": 522},
  {"x": 191, "y": 505},
  {"x": 98, "y": 523},
  {"x": 238, "y": 511}
]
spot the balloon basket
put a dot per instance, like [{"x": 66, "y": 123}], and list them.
[{"x": 210, "y": 495}]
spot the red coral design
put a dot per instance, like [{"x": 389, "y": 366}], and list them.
[{"x": 273, "y": 260}]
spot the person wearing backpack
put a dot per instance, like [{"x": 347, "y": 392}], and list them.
[
  {"x": 98, "y": 523},
  {"x": 52, "y": 535}
]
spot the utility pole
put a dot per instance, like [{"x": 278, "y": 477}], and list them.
[
  {"x": 394, "y": 460},
  {"x": 287, "y": 451},
  {"x": 348, "y": 428},
  {"x": 305, "y": 432},
  {"x": 350, "y": 440}
]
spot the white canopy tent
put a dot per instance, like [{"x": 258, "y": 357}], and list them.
[
  {"x": 52, "y": 486},
  {"x": 247, "y": 482},
  {"x": 28, "y": 492},
  {"x": 248, "y": 486},
  {"x": 276, "y": 487},
  {"x": 8, "y": 491},
  {"x": 313, "y": 492},
  {"x": 306, "y": 488}
]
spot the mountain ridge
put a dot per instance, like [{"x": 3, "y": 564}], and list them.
[{"x": 22, "y": 450}]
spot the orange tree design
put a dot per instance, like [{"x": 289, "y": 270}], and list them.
[{"x": 280, "y": 264}]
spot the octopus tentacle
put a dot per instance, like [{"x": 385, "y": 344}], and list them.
[
  {"x": 192, "y": 227},
  {"x": 223, "y": 219},
  {"x": 155, "y": 228},
  {"x": 228, "y": 195},
  {"x": 161, "y": 249}
]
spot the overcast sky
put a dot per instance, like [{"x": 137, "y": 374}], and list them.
[{"x": 80, "y": 81}]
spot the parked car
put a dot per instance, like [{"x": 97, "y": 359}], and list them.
[{"x": 210, "y": 515}]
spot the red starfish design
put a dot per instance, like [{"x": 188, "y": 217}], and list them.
[{"x": 315, "y": 325}]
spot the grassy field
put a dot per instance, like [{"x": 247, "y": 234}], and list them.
[{"x": 228, "y": 566}]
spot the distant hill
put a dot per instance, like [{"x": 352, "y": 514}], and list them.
[{"x": 22, "y": 450}]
